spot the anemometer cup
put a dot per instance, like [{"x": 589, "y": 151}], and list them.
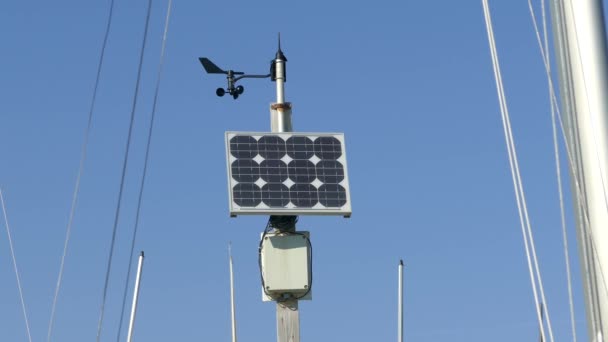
[{"x": 220, "y": 92}]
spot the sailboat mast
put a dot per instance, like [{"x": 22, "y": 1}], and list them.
[
  {"x": 232, "y": 304},
  {"x": 582, "y": 57},
  {"x": 140, "y": 266},
  {"x": 400, "y": 303}
]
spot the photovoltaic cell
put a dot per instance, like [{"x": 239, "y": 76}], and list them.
[{"x": 287, "y": 173}]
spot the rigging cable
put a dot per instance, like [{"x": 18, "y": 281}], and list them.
[
  {"x": 83, "y": 154},
  {"x": 145, "y": 169},
  {"x": 547, "y": 62},
  {"x": 10, "y": 242},
  {"x": 530, "y": 249},
  {"x": 124, "y": 171}
]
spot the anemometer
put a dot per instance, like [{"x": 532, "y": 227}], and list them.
[{"x": 234, "y": 76}]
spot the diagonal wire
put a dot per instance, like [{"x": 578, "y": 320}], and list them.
[
  {"x": 10, "y": 241},
  {"x": 124, "y": 171},
  {"x": 145, "y": 170},
  {"x": 547, "y": 61},
  {"x": 533, "y": 267},
  {"x": 80, "y": 171}
]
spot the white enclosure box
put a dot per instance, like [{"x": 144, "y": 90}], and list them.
[{"x": 286, "y": 264}]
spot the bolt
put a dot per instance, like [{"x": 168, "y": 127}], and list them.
[{"x": 305, "y": 286}]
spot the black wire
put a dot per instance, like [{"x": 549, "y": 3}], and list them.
[
  {"x": 143, "y": 177},
  {"x": 85, "y": 143},
  {"x": 124, "y": 172}
]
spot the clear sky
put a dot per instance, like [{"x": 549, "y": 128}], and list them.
[{"x": 410, "y": 83}]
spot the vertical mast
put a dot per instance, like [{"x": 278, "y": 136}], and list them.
[
  {"x": 400, "y": 304},
  {"x": 140, "y": 267},
  {"x": 288, "y": 315},
  {"x": 232, "y": 304},
  {"x": 582, "y": 57}
]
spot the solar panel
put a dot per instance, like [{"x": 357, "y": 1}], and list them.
[{"x": 287, "y": 174}]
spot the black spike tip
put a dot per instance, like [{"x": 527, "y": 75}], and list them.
[{"x": 280, "y": 56}]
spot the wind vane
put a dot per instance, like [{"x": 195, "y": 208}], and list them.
[{"x": 234, "y": 76}]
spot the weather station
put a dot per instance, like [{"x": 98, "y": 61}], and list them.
[{"x": 282, "y": 174}]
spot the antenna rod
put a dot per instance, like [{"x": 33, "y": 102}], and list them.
[
  {"x": 280, "y": 112},
  {"x": 232, "y": 308},
  {"x": 280, "y": 75},
  {"x": 400, "y": 304},
  {"x": 140, "y": 266}
]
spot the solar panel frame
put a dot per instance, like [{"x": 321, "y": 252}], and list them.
[{"x": 263, "y": 209}]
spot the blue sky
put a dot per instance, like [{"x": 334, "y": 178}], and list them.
[{"x": 410, "y": 83}]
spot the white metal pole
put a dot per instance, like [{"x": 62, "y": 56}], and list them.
[
  {"x": 280, "y": 81},
  {"x": 288, "y": 315},
  {"x": 582, "y": 55},
  {"x": 400, "y": 304},
  {"x": 140, "y": 266},
  {"x": 232, "y": 305},
  {"x": 280, "y": 112}
]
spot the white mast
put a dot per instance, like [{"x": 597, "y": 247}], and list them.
[
  {"x": 582, "y": 56},
  {"x": 232, "y": 307},
  {"x": 400, "y": 304},
  {"x": 140, "y": 267}
]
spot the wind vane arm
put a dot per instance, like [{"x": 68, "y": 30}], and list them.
[
  {"x": 231, "y": 76},
  {"x": 251, "y": 76}
]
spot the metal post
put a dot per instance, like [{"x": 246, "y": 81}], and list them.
[
  {"x": 400, "y": 304},
  {"x": 582, "y": 55},
  {"x": 135, "y": 296},
  {"x": 232, "y": 305},
  {"x": 288, "y": 316},
  {"x": 280, "y": 112}
]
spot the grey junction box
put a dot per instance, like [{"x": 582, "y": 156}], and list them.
[{"x": 286, "y": 264}]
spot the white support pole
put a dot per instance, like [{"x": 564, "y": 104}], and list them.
[
  {"x": 280, "y": 112},
  {"x": 232, "y": 305},
  {"x": 400, "y": 304},
  {"x": 140, "y": 266},
  {"x": 280, "y": 81},
  {"x": 288, "y": 315},
  {"x": 582, "y": 55}
]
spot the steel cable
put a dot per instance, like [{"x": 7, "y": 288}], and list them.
[
  {"x": 533, "y": 268},
  {"x": 80, "y": 171},
  {"x": 145, "y": 169},
  {"x": 10, "y": 241},
  {"x": 544, "y": 48},
  {"x": 124, "y": 171}
]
